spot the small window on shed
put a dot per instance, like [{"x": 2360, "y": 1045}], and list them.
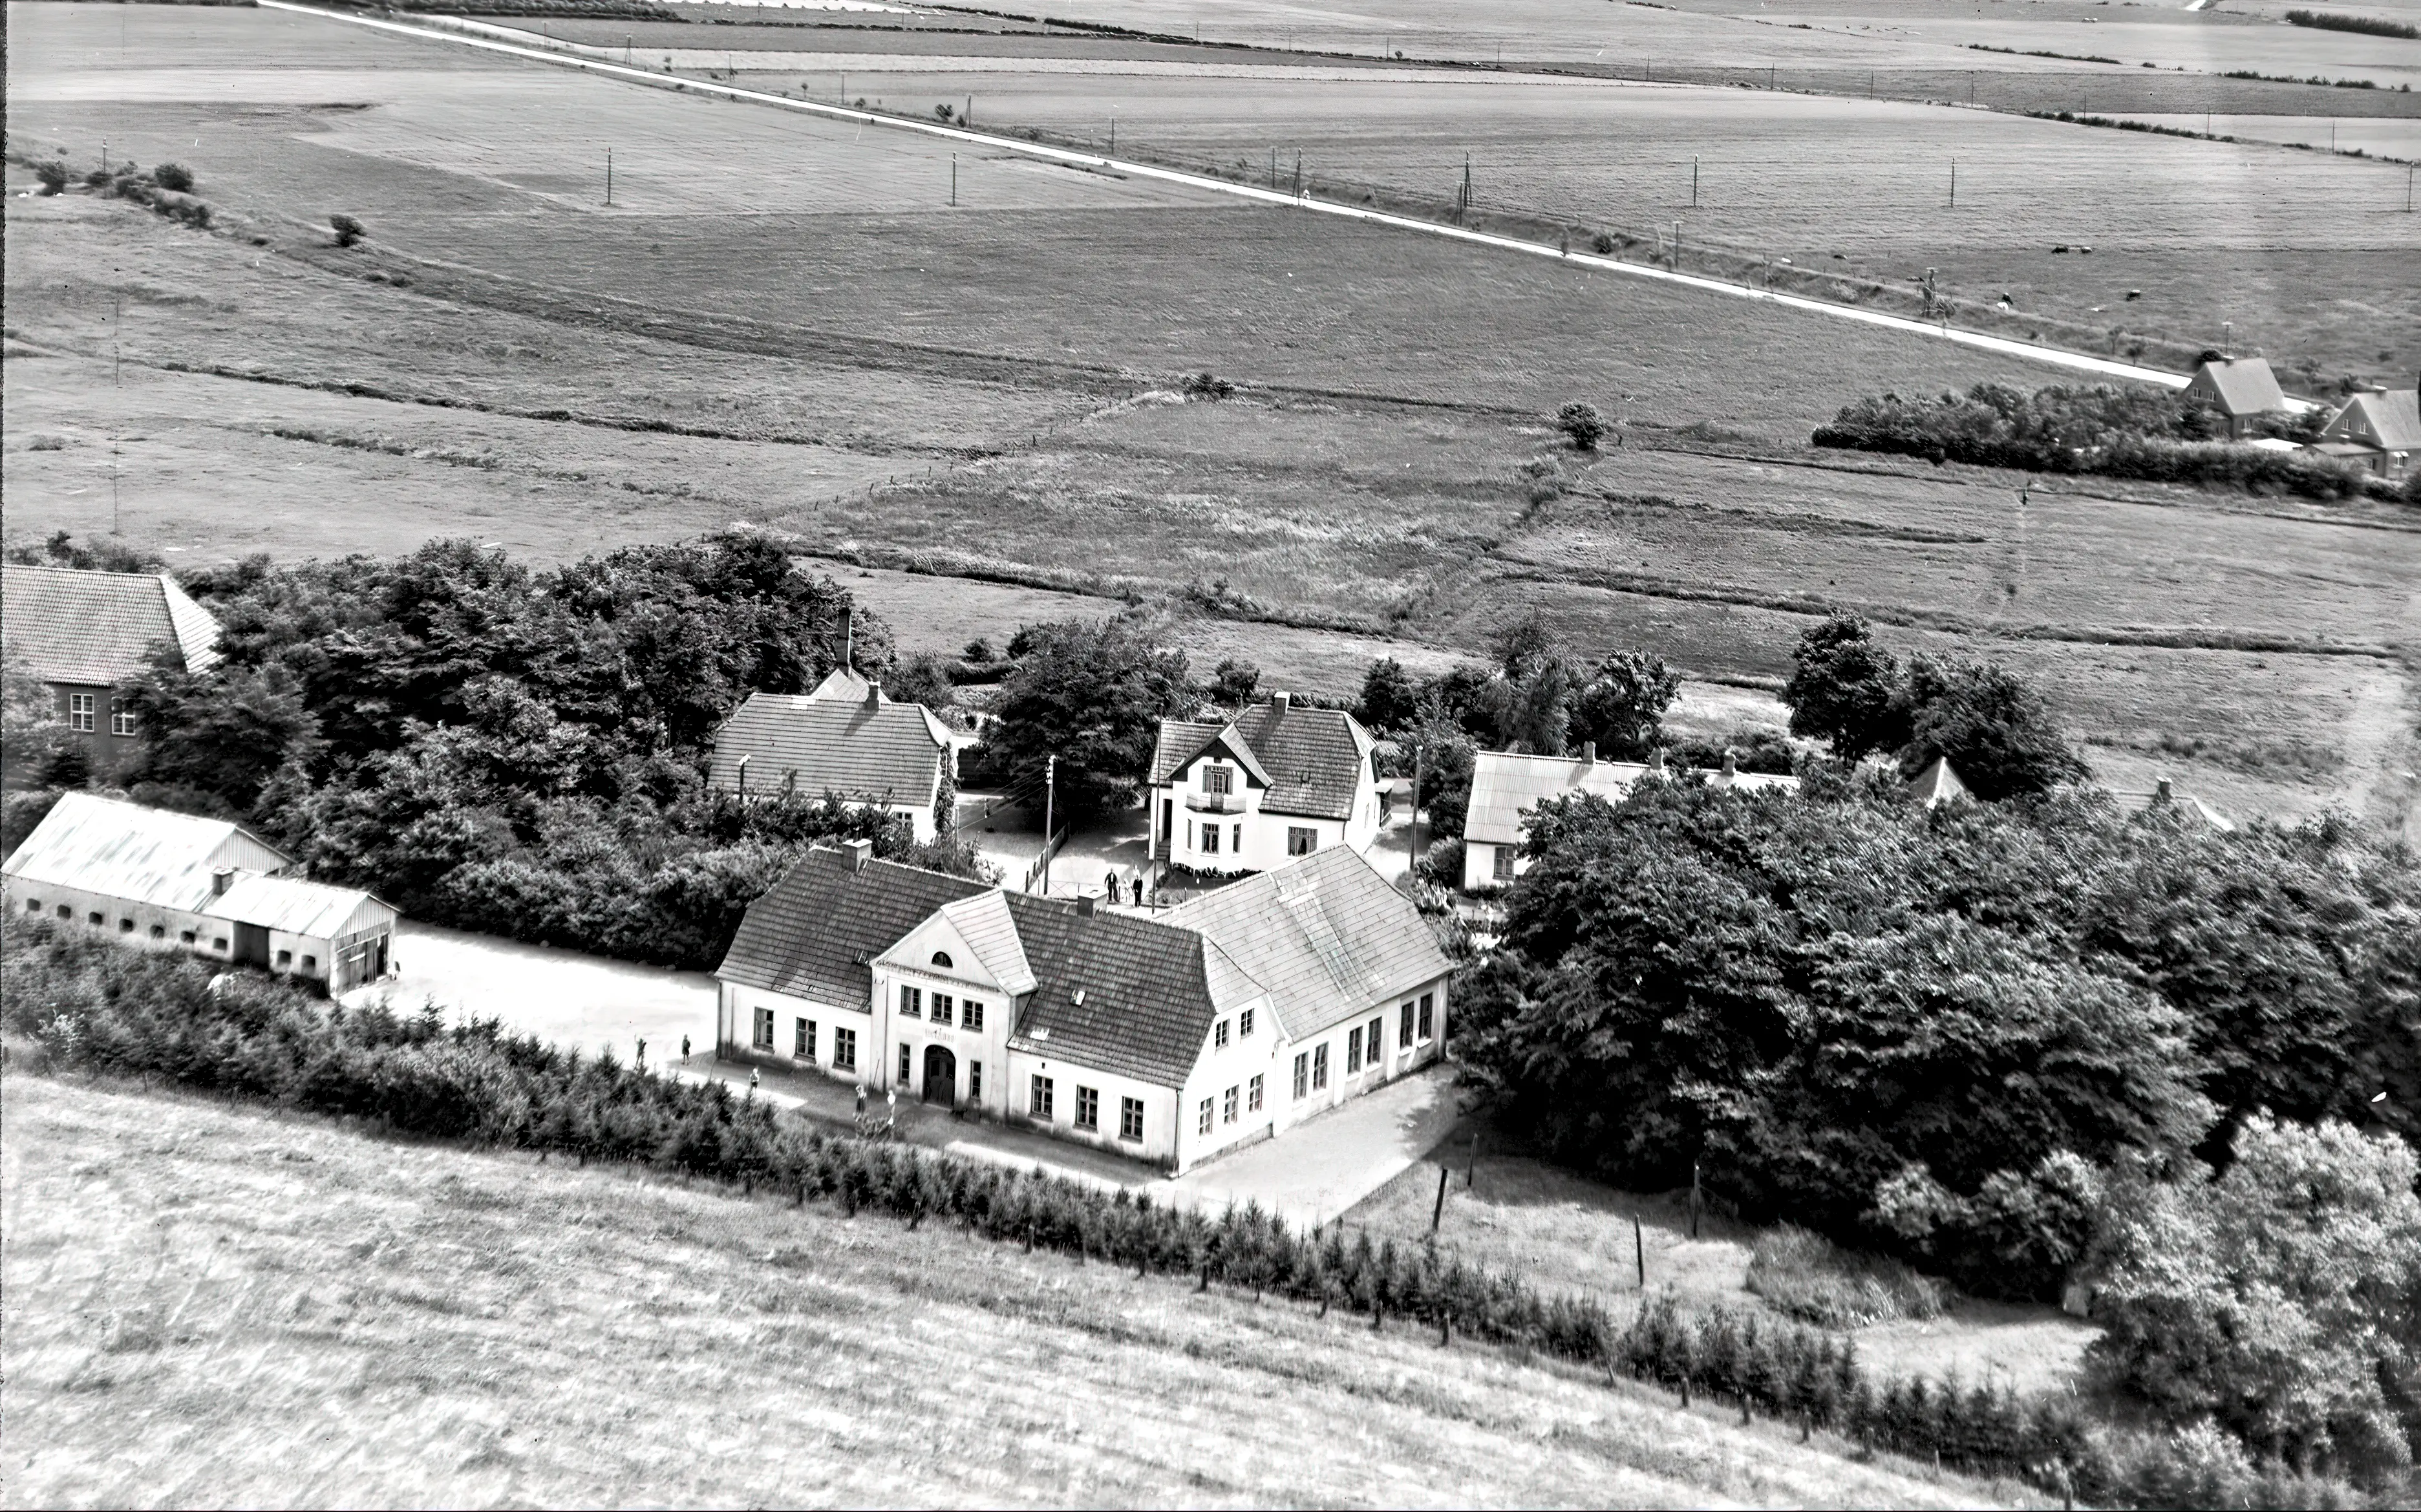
[
  {"x": 942, "y": 958},
  {"x": 187, "y": 937},
  {"x": 92, "y": 918},
  {"x": 33, "y": 905},
  {"x": 126, "y": 926},
  {"x": 285, "y": 958},
  {"x": 158, "y": 932},
  {"x": 310, "y": 964},
  {"x": 66, "y": 912},
  {"x": 219, "y": 944}
]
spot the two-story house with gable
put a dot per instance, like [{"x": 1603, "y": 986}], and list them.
[
  {"x": 82, "y": 633},
  {"x": 1148, "y": 1037},
  {"x": 1277, "y": 782}
]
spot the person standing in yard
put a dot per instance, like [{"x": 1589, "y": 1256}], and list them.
[
  {"x": 643, "y": 1052},
  {"x": 685, "y": 1047},
  {"x": 1110, "y": 884},
  {"x": 751, "y": 1081}
]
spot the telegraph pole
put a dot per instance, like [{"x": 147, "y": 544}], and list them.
[
  {"x": 609, "y": 178},
  {"x": 1694, "y": 180},
  {"x": 954, "y": 179},
  {"x": 1050, "y": 801},
  {"x": 1417, "y": 805}
]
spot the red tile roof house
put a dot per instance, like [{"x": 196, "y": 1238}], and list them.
[
  {"x": 82, "y": 633},
  {"x": 1277, "y": 782},
  {"x": 844, "y": 739},
  {"x": 1170, "y": 1038},
  {"x": 2240, "y": 388}
]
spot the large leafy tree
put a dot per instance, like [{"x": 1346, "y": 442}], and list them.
[
  {"x": 1844, "y": 690},
  {"x": 1092, "y": 695},
  {"x": 1622, "y": 706},
  {"x": 224, "y": 732},
  {"x": 1992, "y": 725}
]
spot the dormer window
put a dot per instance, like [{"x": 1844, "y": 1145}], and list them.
[
  {"x": 942, "y": 958},
  {"x": 1216, "y": 779}
]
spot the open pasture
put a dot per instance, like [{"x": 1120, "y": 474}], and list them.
[{"x": 294, "y": 1313}]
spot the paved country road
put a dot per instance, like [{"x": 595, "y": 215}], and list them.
[{"x": 2077, "y": 362}]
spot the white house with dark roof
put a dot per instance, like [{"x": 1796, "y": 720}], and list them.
[
  {"x": 82, "y": 633},
  {"x": 164, "y": 881},
  {"x": 1277, "y": 782},
  {"x": 1507, "y": 785},
  {"x": 1170, "y": 1040},
  {"x": 844, "y": 739}
]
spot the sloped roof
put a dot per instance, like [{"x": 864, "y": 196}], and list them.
[
  {"x": 1326, "y": 935},
  {"x": 985, "y": 924},
  {"x": 1938, "y": 783},
  {"x": 2240, "y": 386},
  {"x": 293, "y": 905},
  {"x": 1150, "y": 990},
  {"x": 2390, "y": 422},
  {"x": 1313, "y": 760},
  {"x": 100, "y": 628},
  {"x": 2163, "y": 799},
  {"x": 843, "y": 685},
  {"x": 813, "y": 934},
  {"x": 143, "y": 855},
  {"x": 1506, "y": 784},
  {"x": 863, "y": 750}
]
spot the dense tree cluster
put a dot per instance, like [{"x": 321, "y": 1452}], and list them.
[
  {"x": 1849, "y": 693},
  {"x": 1092, "y": 694},
  {"x": 73, "y": 1004},
  {"x": 2122, "y": 432},
  {"x": 512, "y": 751}
]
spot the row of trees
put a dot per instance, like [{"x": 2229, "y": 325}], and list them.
[
  {"x": 2120, "y": 432},
  {"x": 79, "y": 1003}
]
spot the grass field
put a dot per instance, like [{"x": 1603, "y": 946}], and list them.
[{"x": 206, "y": 1305}]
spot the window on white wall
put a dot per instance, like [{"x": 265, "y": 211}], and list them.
[
  {"x": 1131, "y": 1118},
  {"x": 1219, "y": 1035},
  {"x": 803, "y": 1039},
  {"x": 1378, "y": 1038},
  {"x": 1352, "y": 1051},
  {"x": 1210, "y": 839},
  {"x": 1203, "y": 1121},
  {"x": 912, "y": 1001},
  {"x": 1228, "y": 1106},
  {"x": 1303, "y": 1073},
  {"x": 1428, "y": 1021},
  {"x": 1244, "y": 1024},
  {"x": 1253, "y": 1095},
  {"x": 1238, "y": 835},
  {"x": 1301, "y": 840},
  {"x": 1038, "y": 1097},
  {"x": 763, "y": 1035},
  {"x": 1088, "y": 1109},
  {"x": 941, "y": 1008},
  {"x": 903, "y": 1065},
  {"x": 1404, "y": 1026},
  {"x": 1216, "y": 779},
  {"x": 844, "y": 1050},
  {"x": 1319, "y": 1068},
  {"x": 1501, "y": 865},
  {"x": 974, "y": 1080}
]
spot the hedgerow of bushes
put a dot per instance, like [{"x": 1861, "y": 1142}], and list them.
[
  {"x": 87, "y": 1005},
  {"x": 2115, "y": 432}
]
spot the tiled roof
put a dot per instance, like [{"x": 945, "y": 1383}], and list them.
[
  {"x": 2240, "y": 385},
  {"x": 1506, "y": 784},
  {"x": 1312, "y": 759},
  {"x": 1326, "y": 935},
  {"x": 296, "y": 907},
  {"x": 1937, "y": 783},
  {"x": 143, "y": 855},
  {"x": 861, "y": 750},
  {"x": 985, "y": 924},
  {"x": 2390, "y": 422},
  {"x": 1150, "y": 992},
  {"x": 814, "y": 933},
  {"x": 100, "y": 628}
]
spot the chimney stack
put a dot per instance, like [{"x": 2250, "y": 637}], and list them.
[
  {"x": 1656, "y": 761},
  {"x": 1085, "y": 905},
  {"x": 2161, "y": 792},
  {"x": 848, "y": 640},
  {"x": 1282, "y": 701},
  {"x": 1588, "y": 753},
  {"x": 1731, "y": 762},
  {"x": 874, "y": 695},
  {"x": 221, "y": 880},
  {"x": 858, "y": 851}
]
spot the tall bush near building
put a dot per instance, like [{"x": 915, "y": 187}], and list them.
[{"x": 1091, "y": 695}]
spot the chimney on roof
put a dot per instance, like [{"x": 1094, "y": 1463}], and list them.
[
  {"x": 1588, "y": 753},
  {"x": 858, "y": 852},
  {"x": 743, "y": 773},
  {"x": 1656, "y": 761},
  {"x": 221, "y": 880},
  {"x": 848, "y": 640},
  {"x": 1731, "y": 762},
  {"x": 1281, "y": 701},
  {"x": 1085, "y": 905},
  {"x": 2161, "y": 793},
  {"x": 874, "y": 695}
]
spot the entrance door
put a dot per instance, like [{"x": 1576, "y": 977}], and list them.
[
  {"x": 251, "y": 945},
  {"x": 940, "y": 1076}
]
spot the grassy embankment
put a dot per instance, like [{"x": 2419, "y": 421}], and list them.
[{"x": 207, "y": 1302}]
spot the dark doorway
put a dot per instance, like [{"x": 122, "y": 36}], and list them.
[
  {"x": 940, "y": 1076},
  {"x": 251, "y": 945}
]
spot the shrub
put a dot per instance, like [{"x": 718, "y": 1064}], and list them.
[
  {"x": 2367, "y": 25},
  {"x": 348, "y": 229},
  {"x": 1811, "y": 1279},
  {"x": 52, "y": 175},
  {"x": 1751, "y": 750},
  {"x": 174, "y": 176},
  {"x": 1582, "y": 424},
  {"x": 1207, "y": 386},
  {"x": 1601, "y": 244}
]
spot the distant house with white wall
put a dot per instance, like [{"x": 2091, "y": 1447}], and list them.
[
  {"x": 1149, "y": 1036},
  {"x": 1507, "y": 785},
  {"x": 82, "y": 633},
  {"x": 1277, "y": 782},
  {"x": 2241, "y": 389},
  {"x": 2378, "y": 430},
  {"x": 164, "y": 881},
  {"x": 845, "y": 738}
]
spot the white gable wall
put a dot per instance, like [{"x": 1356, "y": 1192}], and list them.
[{"x": 976, "y": 1053}]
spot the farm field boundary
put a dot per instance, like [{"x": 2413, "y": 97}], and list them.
[{"x": 2002, "y": 344}]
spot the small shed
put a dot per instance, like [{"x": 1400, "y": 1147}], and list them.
[
  {"x": 341, "y": 936},
  {"x": 2240, "y": 388}
]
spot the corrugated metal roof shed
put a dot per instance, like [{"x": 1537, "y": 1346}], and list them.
[
  {"x": 865, "y": 750},
  {"x": 143, "y": 855},
  {"x": 297, "y": 906},
  {"x": 100, "y": 628},
  {"x": 1326, "y": 935}
]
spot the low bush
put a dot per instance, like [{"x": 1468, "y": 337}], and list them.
[
  {"x": 174, "y": 176},
  {"x": 1810, "y": 1278},
  {"x": 1582, "y": 425},
  {"x": 348, "y": 231},
  {"x": 70, "y": 1003},
  {"x": 52, "y": 175},
  {"x": 2367, "y": 25}
]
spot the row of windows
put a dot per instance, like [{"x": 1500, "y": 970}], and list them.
[
  {"x": 1416, "y": 1024},
  {"x": 159, "y": 931},
  {"x": 803, "y": 1040},
  {"x": 1301, "y": 840},
  {"x": 911, "y": 1006},
  {"x": 1244, "y": 1030},
  {"x": 1227, "y": 1104},
  {"x": 1041, "y": 1095},
  {"x": 82, "y": 708}
]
